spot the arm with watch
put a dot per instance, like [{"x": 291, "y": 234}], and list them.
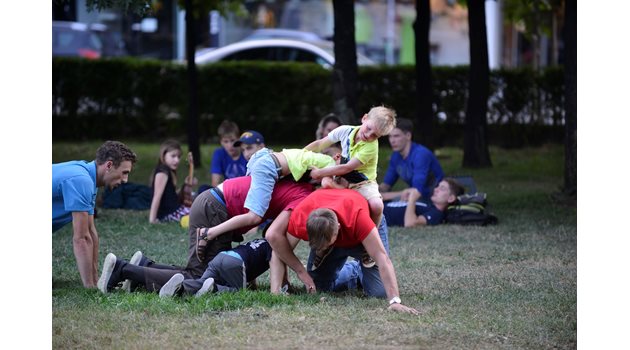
[{"x": 375, "y": 248}]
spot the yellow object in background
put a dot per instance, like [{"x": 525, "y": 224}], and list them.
[{"x": 184, "y": 221}]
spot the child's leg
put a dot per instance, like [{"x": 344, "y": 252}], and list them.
[{"x": 376, "y": 210}]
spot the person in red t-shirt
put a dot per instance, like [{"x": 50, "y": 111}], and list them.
[{"x": 337, "y": 224}]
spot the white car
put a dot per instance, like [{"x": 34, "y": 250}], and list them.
[{"x": 320, "y": 52}]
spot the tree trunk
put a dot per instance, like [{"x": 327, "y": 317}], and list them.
[
  {"x": 476, "y": 154},
  {"x": 345, "y": 72},
  {"x": 570, "y": 97},
  {"x": 192, "y": 125},
  {"x": 424, "y": 81}
]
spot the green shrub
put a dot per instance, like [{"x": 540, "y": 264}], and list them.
[{"x": 147, "y": 99}]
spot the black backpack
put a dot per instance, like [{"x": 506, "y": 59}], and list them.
[{"x": 470, "y": 209}]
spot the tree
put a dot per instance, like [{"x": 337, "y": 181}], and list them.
[
  {"x": 194, "y": 8},
  {"x": 345, "y": 71},
  {"x": 424, "y": 81},
  {"x": 536, "y": 17},
  {"x": 570, "y": 97},
  {"x": 476, "y": 154}
]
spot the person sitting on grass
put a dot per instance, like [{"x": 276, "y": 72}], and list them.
[
  {"x": 167, "y": 205},
  {"x": 413, "y": 163},
  {"x": 227, "y": 161},
  {"x": 411, "y": 212}
]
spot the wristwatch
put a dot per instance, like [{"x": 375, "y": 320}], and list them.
[{"x": 395, "y": 300}]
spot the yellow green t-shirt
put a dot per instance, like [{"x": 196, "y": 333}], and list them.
[
  {"x": 300, "y": 160},
  {"x": 366, "y": 152}
]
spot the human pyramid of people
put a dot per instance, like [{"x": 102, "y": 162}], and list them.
[{"x": 325, "y": 193}]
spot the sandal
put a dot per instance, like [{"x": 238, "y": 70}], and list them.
[{"x": 202, "y": 236}]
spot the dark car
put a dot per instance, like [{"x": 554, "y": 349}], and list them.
[{"x": 74, "y": 39}]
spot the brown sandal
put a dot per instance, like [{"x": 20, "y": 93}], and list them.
[{"x": 202, "y": 236}]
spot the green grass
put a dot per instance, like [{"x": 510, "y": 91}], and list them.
[{"x": 513, "y": 285}]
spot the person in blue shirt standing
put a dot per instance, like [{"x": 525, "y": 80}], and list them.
[
  {"x": 74, "y": 188},
  {"x": 413, "y": 163}
]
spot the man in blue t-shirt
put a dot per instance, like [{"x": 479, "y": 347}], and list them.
[
  {"x": 415, "y": 213},
  {"x": 74, "y": 187},
  {"x": 413, "y": 163}
]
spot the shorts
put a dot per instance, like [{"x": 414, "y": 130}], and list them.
[
  {"x": 368, "y": 189},
  {"x": 264, "y": 173}
]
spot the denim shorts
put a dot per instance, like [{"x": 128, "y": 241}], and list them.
[{"x": 262, "y": 168}]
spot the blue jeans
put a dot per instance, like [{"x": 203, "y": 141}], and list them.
[
  {"x": 262, "y": 169},
  {"x": 337, "y": 274}
]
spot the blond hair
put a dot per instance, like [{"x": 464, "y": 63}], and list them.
[{"x": 384, "y": 119}]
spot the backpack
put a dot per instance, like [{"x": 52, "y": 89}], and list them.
[{"x": 470, "y": 209}]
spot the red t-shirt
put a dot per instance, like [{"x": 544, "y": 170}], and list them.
[
  {"x": 352, "y": 212},
  {"x": 287, "y": 194}
]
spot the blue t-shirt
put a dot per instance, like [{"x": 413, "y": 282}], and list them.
[
  {"x": 73, "y": 189},
  {"x": 224, "y": 165},
  {"x": 420, "y": 169},
  {"x": 394, "y": 213}
]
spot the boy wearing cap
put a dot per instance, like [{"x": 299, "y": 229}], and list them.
[{"x": 266, "y": 167}]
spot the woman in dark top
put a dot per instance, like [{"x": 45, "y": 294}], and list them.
[{"x": 166, "y": 204}]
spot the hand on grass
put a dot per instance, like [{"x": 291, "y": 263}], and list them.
[{"x": 402, "y": 308}]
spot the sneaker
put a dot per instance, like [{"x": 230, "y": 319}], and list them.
[
  {"x": 208, "y": 286},
  {"x": 320, "y": 256},
  {"x": 135, "y": 260},
  {"x": 367, "y": 261},
  {"x": 172, "y": 286},
  {"x": 108, "y": 268}
]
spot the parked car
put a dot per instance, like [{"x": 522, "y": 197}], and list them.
[
  {"x": 320, "y": 52},
  {"x": 279, "y": 33},
  {"x": 92, "y": 41}
]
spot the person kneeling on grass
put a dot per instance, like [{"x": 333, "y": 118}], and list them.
[{"x": 336, "y": 223}]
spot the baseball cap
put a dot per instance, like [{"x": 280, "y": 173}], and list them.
[{"x": 249, "y": 137}]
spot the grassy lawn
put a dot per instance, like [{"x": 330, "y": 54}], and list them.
[{"x": 513, "y": 285}]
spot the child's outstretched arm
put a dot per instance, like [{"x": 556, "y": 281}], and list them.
[
  {"x": 319, "y": 145},
  {"x": 340, "y": 169}
]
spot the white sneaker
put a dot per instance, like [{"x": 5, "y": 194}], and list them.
[
  {"x": 169, "y": 289},
  {"x": 135, "y": 260},
  {"x": 208, "y": 286},
  {"x": 108, "y": 268}
]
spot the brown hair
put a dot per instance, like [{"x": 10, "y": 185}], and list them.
[
  {"x": 115, "y": 151},
  {"x": 330, "y": 117},
  {"x": 384, "y": 119},
  {"x": 228, "y": 127},
  {"x": 454, "y": 186},
  {"x": 321, "y": 225},
  {"x": 405, "y": 125}
]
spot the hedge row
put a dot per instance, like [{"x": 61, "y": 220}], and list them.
[{"x": 144, "y": 99}]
